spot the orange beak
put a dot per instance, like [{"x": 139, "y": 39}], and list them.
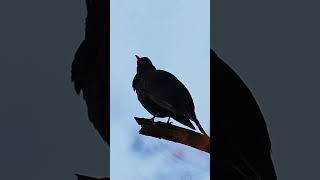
[{"x": 138, "y": 58}]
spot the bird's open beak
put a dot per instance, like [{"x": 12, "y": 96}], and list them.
[{"x": 138, "y": 58}]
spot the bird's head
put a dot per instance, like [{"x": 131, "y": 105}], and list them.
[{"x": 144, "y": 64}]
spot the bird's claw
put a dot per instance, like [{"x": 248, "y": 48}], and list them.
[
  {"x": 152, "y": 120},
  {"x": 168, "y": 122}
]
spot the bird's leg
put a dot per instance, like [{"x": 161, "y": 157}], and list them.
[
  {"x": 169, "y": 121},
  {"x": 152, "y": 119}
]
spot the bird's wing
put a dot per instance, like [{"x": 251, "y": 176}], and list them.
[
  {"x": 246, "y": 169},
  {"x": 168, "y": 92},
  {"x": 135, "y": 82}
]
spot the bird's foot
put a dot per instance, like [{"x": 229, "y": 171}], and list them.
[
  {"x": 168, "y": 122},
  {"x": 152, "y": 120}
]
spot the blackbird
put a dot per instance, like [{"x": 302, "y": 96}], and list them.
[
  {"x": 89, "y": 68},
  {"x": 82, "y": 177},
  {"x": 163, "y": 95},
  {"x": 242, "y": 146}
]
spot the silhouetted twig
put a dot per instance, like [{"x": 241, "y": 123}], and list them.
[{"x": 174, "y": 133}]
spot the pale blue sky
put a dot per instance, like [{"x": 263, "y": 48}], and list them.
[{"x": 175, "y": 35}]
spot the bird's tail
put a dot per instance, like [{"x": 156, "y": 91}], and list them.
[
  {"x": 81, "y": 177},
  {"x": 199, "y": 126}
]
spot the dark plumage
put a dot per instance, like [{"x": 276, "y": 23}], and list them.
[
  {"x": 89, "y": 68},
  {"x": 241, "y": 141},
  {"x": 163, "y": 95},
  {"x": 82, "y": 177}
]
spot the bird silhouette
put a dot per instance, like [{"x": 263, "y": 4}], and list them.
[
  {"x": 82, "y": 177},
  {"x": 163, "y": 95},
  {"x": 89, "y": 68},
  {"x": 242, "y": 147}
]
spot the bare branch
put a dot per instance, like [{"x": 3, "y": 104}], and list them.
[{"x": 174, "y": 133}]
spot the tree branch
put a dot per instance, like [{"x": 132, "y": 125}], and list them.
[{"x": 174, "y": 133}]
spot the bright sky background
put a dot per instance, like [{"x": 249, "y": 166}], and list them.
[{"x": 175, "y": 35}]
